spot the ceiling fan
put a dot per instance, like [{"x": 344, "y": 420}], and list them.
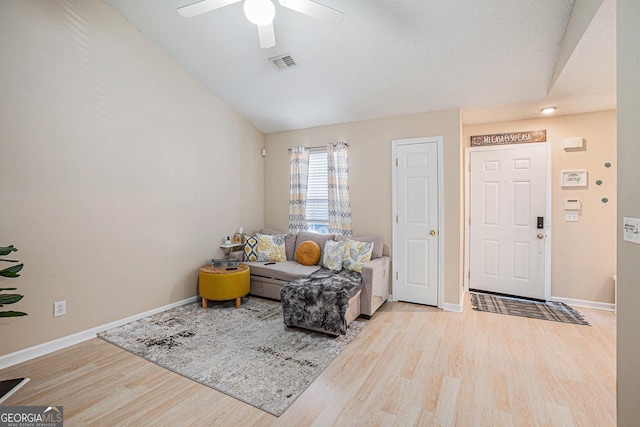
[{"x": 261, "y": 13}]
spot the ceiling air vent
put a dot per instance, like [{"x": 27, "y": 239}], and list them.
[{"x": 283, "y": 62}]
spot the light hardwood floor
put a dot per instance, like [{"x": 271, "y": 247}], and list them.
[{"x": 411, "y": 365}]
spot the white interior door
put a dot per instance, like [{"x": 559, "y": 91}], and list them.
[
  {"x": 507, "y": 244},
  {"x": 416, "y": 240}
]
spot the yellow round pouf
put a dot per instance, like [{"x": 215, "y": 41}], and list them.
[
  {"x": 220, "y": 284},
  {"x": 308, "y": 253}
]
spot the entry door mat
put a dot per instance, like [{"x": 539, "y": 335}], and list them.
[
  {"x": 246, "y": 353},
  {"x": 554, "y": 311}
]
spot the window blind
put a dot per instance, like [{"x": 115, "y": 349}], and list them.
[{"x": 317, "y": 195}]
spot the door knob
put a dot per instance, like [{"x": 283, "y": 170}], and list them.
[
  {"x": 540, "y": 236},
  {"x": 432, "y": 232}
]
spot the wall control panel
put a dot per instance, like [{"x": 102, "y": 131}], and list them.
[
  {"x": 572, "y": 205},
  {"x": 572, "y": 210}
]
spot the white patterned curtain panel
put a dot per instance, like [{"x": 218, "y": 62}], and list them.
[
  {"x": 338, "y": 177},
  {"x": 299, "y": 174}
]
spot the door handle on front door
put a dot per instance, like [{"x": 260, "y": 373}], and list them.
[
  {"x": 432, "y": 232},
  {"x": 540, "y": 236}
]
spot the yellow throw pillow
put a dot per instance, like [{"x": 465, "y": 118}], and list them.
[
  {"x": 271, "y": 248},
  {"x": 308, "y": 253}
]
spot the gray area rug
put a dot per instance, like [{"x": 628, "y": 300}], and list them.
[
  {"x": 555, "y": 311},
  {"x": 247, "y": 353}
]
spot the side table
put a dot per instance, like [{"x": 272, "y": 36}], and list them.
[{"x": 220, "y": 284}]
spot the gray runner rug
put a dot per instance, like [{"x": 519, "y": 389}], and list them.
[
  {"x": 247, "y": 353},
  {"x": 555, "y": 311}
]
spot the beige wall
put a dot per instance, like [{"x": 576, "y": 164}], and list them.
[
  {"x": 628, "y": 76},
  {"x": 118, "y": 169},
  {"x": 370, "y": 177},
  {"x": 583, "y": 253}
]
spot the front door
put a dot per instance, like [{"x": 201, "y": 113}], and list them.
[
  {"x": 508, "y": 195},
  {"x": 416, "y": 239}
]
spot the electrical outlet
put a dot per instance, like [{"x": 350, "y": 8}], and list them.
[{"x": 59, "y": 308}]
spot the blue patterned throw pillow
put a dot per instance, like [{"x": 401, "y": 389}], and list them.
[{"x": 333, "y": 256}]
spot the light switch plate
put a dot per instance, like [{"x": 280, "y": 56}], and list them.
[
  {"x": 631, "y": 230},
  {"x": 571, "y": 216}
]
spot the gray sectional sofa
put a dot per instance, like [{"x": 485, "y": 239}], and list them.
[{"x": 267, "y": 280}]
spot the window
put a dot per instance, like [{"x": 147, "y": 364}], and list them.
[{"x": 317, "y": 212}]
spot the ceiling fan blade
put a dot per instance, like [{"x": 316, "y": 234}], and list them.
[
  {"x": 267, "y": 35},
  {"x": 314, "y": 10},
  {"x": 203, "y": 6}
]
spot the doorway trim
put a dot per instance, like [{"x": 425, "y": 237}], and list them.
[
  {"x": 467, "y": 213},
  {"x": 394, "y": 211}
]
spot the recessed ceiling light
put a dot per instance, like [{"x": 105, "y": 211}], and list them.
[{"x": 548, "y": 110}]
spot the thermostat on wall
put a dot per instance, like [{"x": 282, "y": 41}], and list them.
[
  {"x": 573, "y": 142},
  {"x": 572, "y": 204}
]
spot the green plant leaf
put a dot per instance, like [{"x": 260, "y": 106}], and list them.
[
  {"x": 11, "y": 271},
  {"x": 8, "y": 289},
  {"x": 9, "y": 298},
  {"x": 6, "y": 250},
  {"x": 12, "y": 313},
  {"x": 9, "y": 260}
]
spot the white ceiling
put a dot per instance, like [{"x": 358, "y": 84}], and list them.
[{"x": 494, "y": 59}]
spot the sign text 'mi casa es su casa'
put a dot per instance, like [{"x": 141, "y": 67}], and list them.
[{"x": 509, "y": 138}]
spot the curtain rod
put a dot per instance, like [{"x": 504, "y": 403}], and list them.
[{"x": 323, "y": 146}]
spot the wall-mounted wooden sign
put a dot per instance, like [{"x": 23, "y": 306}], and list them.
[{"x": 510, "y": 138}]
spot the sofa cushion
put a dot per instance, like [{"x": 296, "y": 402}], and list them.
[
  {"x": 377, "y": 240},
  {"x": 289, "y": 241},
  {"x": 333, "y": 255},
  {"x": 287, "y": 271},
  {"x": 320, "y": 239},
  {"x": 308, "y": 253},
  {"x": 271, "y": 248},
  {"x": 251, "y": 249},
  {"x": 356, "y": 254}
]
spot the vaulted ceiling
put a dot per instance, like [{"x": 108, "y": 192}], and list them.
[{"x": 496, "y": 59}]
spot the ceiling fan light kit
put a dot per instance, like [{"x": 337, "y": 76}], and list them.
[
  {"x": 262, "y": 12},
  {"x": 259, "y": 12}
]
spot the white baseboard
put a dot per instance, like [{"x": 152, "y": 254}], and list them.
[
  {"x": 586, "y": 304},
  {"x": 456, "y": 308},
  {"x": 60, "y": 343}
]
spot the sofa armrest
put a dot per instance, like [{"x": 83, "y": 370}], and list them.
[
  {"x": 375, "y": 274},
  {"x": 237, "y": 254}
]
